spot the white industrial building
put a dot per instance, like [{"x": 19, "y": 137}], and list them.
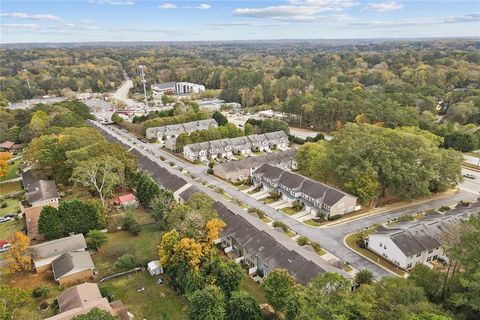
[{"x": 175, "y": 88}]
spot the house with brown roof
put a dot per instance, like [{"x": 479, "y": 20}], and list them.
[
  {"x": 45, "y": 253},
  {"x": 81, "y": 299},
  {"x": 6, "y": 145},
  {"x": 32, "y": 215},
  {"x": 317, "y": 198},
  {"x": 73, "y": 267}
]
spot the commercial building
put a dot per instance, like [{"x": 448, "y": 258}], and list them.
[
  {"x": 173, "y": 88},
  {"x": 407, "y": 244},
  {"x": 317, "y": 198},
  {"x": 226, "y": 148},
  {"x": 243, "y": 169},
  {"x": 174, "y": 130}
]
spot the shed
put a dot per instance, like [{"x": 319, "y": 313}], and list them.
[
  {"x": 126, "y": 200},
  {"x": 154, "y": 268}
]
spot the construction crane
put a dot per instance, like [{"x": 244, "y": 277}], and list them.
[{"x": 143, "y": 82}]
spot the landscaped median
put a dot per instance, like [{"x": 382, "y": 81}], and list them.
[{"x": 352, "y": 242}]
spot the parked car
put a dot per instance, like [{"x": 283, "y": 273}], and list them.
[
  {"x": 469, "y": 176},
  {"x": 5, "y": 219}
]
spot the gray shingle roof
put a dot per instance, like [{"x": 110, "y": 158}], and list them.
[
  {"x": 72, "y": 262},
  {"x": 41, "y": 190},
  {"x": 255, "y": 162},
  {"x": 59, "y": 246},
  {"x": 187, "y": 193}
]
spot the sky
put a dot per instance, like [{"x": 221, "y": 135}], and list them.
[{"x": 152, "y": 20}]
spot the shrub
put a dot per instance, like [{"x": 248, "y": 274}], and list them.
[
  {"x": 43, "y": 306},
  {"x": 444, "y": 208},
  {"x": 335, "y": 217},
  {"x": 406, "y": 217},
  {"x": 162, "y": 158},
  {"x": 316, "y": 246},
  {"x": 171, "y": 163},
  {"x": 281, "y": 225},
  {"x": 107, "y": 293},
  {"x": 210, "y": 171},
  {"x": 125, "y": 262},
  {"x": 4, "y": 205},
  {"x": 130, "y": 224},
  {"x": 303, "y": 241},
  {"x": 40, "y": 291}
]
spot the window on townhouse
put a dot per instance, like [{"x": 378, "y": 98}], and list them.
[
  {"x": 409, "y": 266},
  {"x": 429, "y": 259},
  {"x": 430, "y": 251},
  {"x": 419, "y": 254}
]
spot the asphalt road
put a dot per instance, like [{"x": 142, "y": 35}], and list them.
[{"x": 330, "y": 238}]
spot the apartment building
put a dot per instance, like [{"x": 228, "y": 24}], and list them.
[{"x": 174, "y": 130}]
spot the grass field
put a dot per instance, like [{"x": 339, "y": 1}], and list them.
[
  {"x": 9, "y": 187},
  {"x": 314, "y": 223},
  {"x": 255, "y": 289},
  {"x": 12, "y": 206},
  {"x": 289, "y": 211},
  {"x": 8, "y": 229},
  {"x": 155, "y": 302},
  {"x": 12, "y": 170}
]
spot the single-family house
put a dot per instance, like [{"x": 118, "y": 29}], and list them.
[
  {"x": 32, "y": 215},
  {"x": 39, "y": 191},
  {"x": 317, "y": 198},
  {"x": 407, "y": 244},
  {"x": 73, "y": 267},
  {"x": 84, "y": 297},
  {"x": 45, "y": 253},
  {"x": 6, "y": 145}
]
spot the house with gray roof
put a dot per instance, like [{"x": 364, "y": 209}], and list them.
[
  {"x": 45, "y": 253},
  {"x": 407, "y": 244},
  {"x": 242, "y": 169},
  {"x": 225, "y": 148},
  {"x": 40, "y": 191},
  {"x": 316, "y": 197},
  {"x": 263, "y": 249},
  {"x": 73, "y": 267}
]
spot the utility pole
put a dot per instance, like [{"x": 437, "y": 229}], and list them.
[
  {"x": 144, "y": 82},
  {"x": 26, "y": 74}
]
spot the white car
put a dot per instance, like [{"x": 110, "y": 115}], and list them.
[{"x": 5, "y": 219}]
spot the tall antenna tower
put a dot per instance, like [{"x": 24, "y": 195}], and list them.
[{"x": 143, "y": 82}]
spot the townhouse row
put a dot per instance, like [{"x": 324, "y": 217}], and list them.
[
  {"x": 317, "y": 198},
  {"x": 174, "y": 130},
  {"x": 225, "y": 148}
]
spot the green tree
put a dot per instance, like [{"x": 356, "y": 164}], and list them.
[
  {"x": 130, "y": 224},
  {"x": 228, "y": 275},
  {"x": 279, "y": 285},
  {"x": 147, "y": 190},
  {"x": 364, "y": 276},
  {"x": 103, "y": 174},
  {"x": 125, "y": 262},
  {"x": 460, "y": 141},
  {"x": 96, "y": 239},
  {"x": 207, "y": 304},
  {"x": 95, "y": 314},
  {"x": 220, "y": 118},
  {"x": 50, "y": 224},
  {"x": 242, "y": 305},
  {"x": 10, "y": 300},
  {"x": 430, "y": 280}
]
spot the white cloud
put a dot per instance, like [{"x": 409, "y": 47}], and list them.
[
  {"x": 384, "y": 6},
  {"x": 301, "y": 10},
  {"x": 203, "y": 6},
  {"x": 27, "y": 16},
  {"x": 167, "y": 5},
  {"x": 474, "y": 17},
  {"x": 20, "y": 26},
  {"x": 114, "y": 2}
]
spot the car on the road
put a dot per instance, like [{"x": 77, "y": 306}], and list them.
[
  {"x": 469, "y": 176},
  {"x": 4, "y": 245}
]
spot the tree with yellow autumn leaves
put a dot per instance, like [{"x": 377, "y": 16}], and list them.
[
  {"x": 4, "y": 158},
  {"x": 18, "y": 257}
]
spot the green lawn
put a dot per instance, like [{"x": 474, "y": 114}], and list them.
[
  {"x": 290, "y": 234},
  {"x": 289, "y": 210},
  {"x": 155, "y": 302},
  {"x": 266, "y": 219},
  {"x": 314, "y": 223},
  {"x": 8, "y": 229},
  {"x": 9, "y": 187},
  {"x": 143, "y": 247},
  {"x": 12, "y": 170},
  {"x": 351, "y": 242},
  {"x": 269, "y": 200},
  {"x": 12, "y": 206}
]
